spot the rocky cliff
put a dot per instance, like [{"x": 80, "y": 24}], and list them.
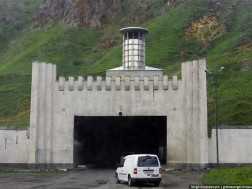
[
  {"x": 8, "y": 11},
  {"x": 96, "y": 13}
]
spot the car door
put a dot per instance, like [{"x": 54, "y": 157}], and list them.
[{"x": 121, "y": 170}]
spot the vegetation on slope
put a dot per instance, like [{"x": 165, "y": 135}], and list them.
[
  {"x": 84, "y": 51},
  {"x": 233, "y": 51},
  {"x": 15, "y": 16},
  {"x": 229, "y": 176}
]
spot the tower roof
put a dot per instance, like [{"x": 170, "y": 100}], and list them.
[{"x": 135, "y": 29}]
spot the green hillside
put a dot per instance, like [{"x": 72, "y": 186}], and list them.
[{"x": 83, "y": 51}]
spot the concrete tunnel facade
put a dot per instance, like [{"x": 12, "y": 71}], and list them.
[{"x": 56, "y": 103}]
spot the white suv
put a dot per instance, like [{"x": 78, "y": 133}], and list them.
[{"x": 143, "y": 168}]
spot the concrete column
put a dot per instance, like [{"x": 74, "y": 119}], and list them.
[
  {"x": 50, "y": 81},
  {"x": 183, "y": 113},
  {"x": 188, "y": 92},
  {"x": 195, "y": 113},
  {"x": 203, "y": 112},
  {"x": 43, "y": 80},
  {"x": 41, "y": 108},
  {"x": 195, "y": 117},
  {"x": 34, "y": 113}
]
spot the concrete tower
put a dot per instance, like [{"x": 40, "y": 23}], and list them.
[
  {"x": 133, "y": 56},
  {"x": 133, "y": 48}
]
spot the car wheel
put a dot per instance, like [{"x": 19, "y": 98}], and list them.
[
  {"x": 117, "y": 179},
  {"x": 130, "y": 183},
  {"x": 156, "y": 183}
]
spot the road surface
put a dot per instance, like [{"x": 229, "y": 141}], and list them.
[{"x": 92, "y": 178}]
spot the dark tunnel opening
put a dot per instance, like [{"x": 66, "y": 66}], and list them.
[{"x": 101, "y": 140}]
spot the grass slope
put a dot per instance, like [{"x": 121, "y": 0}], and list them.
[
  {"x": 229, "y": 176},
  {"x": 234, "y": 52},
  {"x": 78, "y": 51},
  {"x": 18, "y": 15}
]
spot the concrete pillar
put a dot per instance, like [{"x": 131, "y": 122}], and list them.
[
  {"x": 41, "y": 110},
  {"x": 50, "y": 81},
  {"x": 183, "y": 114},
  {"x": 34, "y": 113},
  {"x": 188, "y": 92},
  {"x": 203, "y": 112},
  {"x": 195, "y": 113},
  {"x": 43, "y": 80}
]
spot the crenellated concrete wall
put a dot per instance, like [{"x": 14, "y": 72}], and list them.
[
  {"x": 123, "y": 84},
  {"x": 55, "y": 103}
]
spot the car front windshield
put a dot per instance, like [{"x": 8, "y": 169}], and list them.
[{"x": 147, "y": 161}]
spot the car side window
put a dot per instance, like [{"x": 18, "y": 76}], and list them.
[{"x": 122, "y": 163}]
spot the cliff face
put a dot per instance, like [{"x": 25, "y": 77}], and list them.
[
  {"x": 9, "y": 9},
  {"x": 94, "y": 13}
]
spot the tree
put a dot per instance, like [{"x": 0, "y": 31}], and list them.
[{"x": 205, "y": 30}]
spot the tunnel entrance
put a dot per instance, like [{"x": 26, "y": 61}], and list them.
[{"x": 101, "y": 140}]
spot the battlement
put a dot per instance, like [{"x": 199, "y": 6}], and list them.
[
  {"x": 113, "y": 82},
  {"x": 117, "y": 83}
]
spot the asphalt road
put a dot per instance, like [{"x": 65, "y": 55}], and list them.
[{"x": 92, "y": 178}]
